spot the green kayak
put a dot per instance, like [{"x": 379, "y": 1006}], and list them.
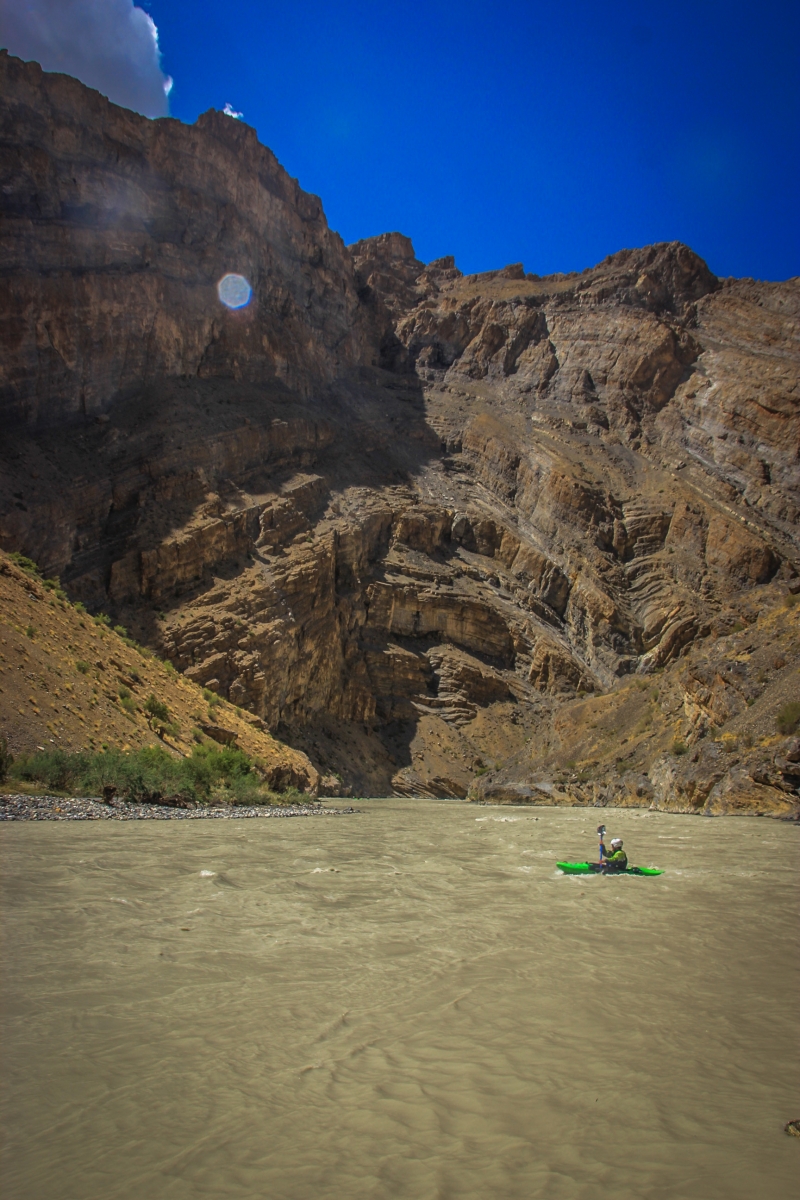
[{"x": 586, "y": 868}]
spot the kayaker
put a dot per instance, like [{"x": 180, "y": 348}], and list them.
[{"x": 617, "y": 860}]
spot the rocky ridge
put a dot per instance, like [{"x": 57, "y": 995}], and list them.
[{"x": 419, "y": 523}]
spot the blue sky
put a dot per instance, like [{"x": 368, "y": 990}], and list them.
[{"x": 506, "y": 131}]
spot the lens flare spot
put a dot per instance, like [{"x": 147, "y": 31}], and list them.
[{"x": 234, "y": 291}]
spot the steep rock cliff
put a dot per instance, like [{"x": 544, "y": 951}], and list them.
[
  {"x": 407, "y": 517},
  {"x": 116, "y": 231}
]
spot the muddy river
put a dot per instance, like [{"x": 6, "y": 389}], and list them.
[{"x": 410, "y": 1002}]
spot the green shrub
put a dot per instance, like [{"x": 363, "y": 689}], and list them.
[
  {"x": 152, "y": 774},
  {"x": 54, "y": 768},
  {"x": 121, "y": 630},
  {"x": 30, "y": 631},
  {"x": 158, "y": 717},
  {"x": 788, "y": 718},
  {"x": 679, "y": 747},
  {"x": 102, "y": 618},
  {"x": 156, "y": 709},
  {"x": 211, "y": 697},
  {"x": 54, "y": 585},
  {"x": 79, "y": 607},
  {"x": 209, "y": 764},
  {"x": 6, "y": 759},
  {"x": 82, "y": 666},
  {"x": 25, "y": 564},
  {"x": 293, "y": 795}
]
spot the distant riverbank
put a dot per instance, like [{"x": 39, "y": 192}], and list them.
[{"x": 18, "y": 807}]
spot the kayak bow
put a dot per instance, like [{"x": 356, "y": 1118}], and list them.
[{"x": 586, "y": 868}]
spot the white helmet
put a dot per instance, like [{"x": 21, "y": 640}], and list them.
[{"x": 616, "y": 841}]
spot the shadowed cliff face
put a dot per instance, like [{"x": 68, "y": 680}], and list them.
[
  {"x": 410, "y": 518},
  {"x": 117, "y": 230}
]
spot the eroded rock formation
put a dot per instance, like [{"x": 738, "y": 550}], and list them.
[{"x": 410, "y": 519}]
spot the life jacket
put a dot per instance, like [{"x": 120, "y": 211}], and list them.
[{"x": 618, "y": 861}]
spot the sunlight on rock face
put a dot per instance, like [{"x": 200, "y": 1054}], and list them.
[{"x": 234, "y": 291}]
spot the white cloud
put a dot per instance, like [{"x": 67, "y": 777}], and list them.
[
  {"x": 231, "y": 112},
  {"x": 110, "y": 45}
]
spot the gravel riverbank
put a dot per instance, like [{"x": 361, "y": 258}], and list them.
[{"x": 88, "y": 808}]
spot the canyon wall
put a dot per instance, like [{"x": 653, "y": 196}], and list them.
[
  {"x": 116, "y": 231},
  {"x": 410, "y": 519}
]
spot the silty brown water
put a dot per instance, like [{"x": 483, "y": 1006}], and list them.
[{"x": 410, "y": 1002}]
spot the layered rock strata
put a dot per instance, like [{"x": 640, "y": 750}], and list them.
[{"x": 407, "y": 518}]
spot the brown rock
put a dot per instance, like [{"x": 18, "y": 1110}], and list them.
[
  {"x": 225, "y": 737},
  {"x": 738, "y": 553},
  {"x": 405, "y": 516},
  {"x": 738, "y": 792}
]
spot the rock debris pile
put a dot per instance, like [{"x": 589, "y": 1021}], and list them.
[{"x": 89, "y": 808}]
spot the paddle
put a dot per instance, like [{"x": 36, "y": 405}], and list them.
[{"x": 601, "y": 829}]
